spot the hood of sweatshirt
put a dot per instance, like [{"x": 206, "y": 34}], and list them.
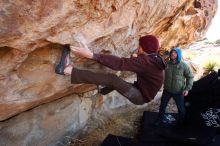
[
  {"x": 179, "y": 54},
  {"x": 159, "y": 61}
]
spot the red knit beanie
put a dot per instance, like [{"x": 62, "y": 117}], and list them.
[{"x": 149, "y": 44}]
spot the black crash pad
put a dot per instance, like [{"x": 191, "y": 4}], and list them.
[
  {"x": 192, "y": 135},
  {"x": 113, "y": 140},
  {"x": 149, "y": 131},
  {"x": 173, "y": 133},
  {"x": 205, "y": 93}
]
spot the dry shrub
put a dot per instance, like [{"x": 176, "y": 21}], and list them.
[{"x": 126, "y": 124}]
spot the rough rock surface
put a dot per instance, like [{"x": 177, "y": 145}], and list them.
[
  {"x": 27, "y": 70},
  {"x": 47, "y": 124},
  {"x": 57, "y": 123},
  {"x": 32, "y": 34}
]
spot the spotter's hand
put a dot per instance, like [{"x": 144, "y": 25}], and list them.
[{"x": 185, "y": 93}]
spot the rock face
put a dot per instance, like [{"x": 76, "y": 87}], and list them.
[
  {"x": 57, "y": 123},
  {"x": 32, "y": 34},
  {"x": 46, "y": 124}
]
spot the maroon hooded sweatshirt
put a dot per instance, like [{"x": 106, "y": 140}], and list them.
[{"x": 149, "y": 69}]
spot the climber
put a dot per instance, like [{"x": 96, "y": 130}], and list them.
[
  {"x": 178, "y": 82},
  {"x": 148, "y": 66}
]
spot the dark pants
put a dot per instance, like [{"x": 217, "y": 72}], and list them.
[
  {"x": 109, "y": 80},
  {"x": 178, "y": 98}
]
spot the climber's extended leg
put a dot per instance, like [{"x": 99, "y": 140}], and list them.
[{"x": 108, "y": 80}]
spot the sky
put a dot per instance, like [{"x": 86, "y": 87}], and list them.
[{"x": 213, "y": 32}]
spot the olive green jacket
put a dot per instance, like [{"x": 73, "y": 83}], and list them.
[{"x": 178, "y": 77}]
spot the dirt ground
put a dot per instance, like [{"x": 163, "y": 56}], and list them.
[{"x": 125, "y": 124}]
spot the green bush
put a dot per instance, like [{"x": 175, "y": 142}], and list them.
[{"x": 210, "y": 67}]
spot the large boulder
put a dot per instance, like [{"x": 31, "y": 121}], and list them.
[
  {"x": 32, "y": 35},
  {"x": 26, "y": 27}
]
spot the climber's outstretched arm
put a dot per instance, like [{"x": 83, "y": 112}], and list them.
[{"x": 82, "y": 51}]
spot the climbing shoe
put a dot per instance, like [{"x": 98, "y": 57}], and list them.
[{"x": 64, "y": 60}]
